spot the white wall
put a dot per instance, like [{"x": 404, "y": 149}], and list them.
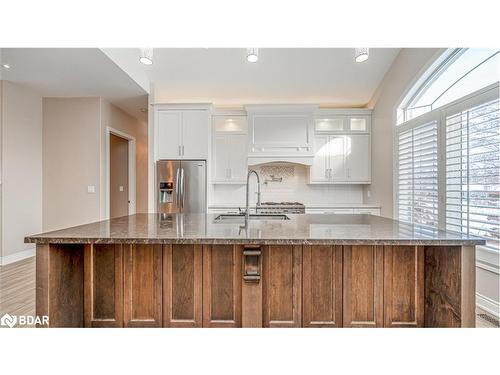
[
  {"x": 293, "y": 188},
  {"x": 74, "y": 158},
  {"x": 407, "y": 66},
  {"x": 21, "y": 169},
  {"x": 1, "y": 148},
  {"x": 71, "y": 161}
]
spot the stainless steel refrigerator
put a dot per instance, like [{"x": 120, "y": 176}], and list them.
[{"x": 181, "y": 186}]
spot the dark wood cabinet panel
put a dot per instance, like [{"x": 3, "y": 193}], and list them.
[
  {"x": 282, "y": 286},
  {"x": 363, "y": 286},
  {"x": 450, "y": 288},
  {"x": 182, "y": 285},
  {"x": 222, "y": 275},
  {"x": 103, "y": 285},
  {"x": 403, "y": 286},
  {"x": 322, "y": 286},
  {"x": 143, "y": 286},
  {"x": 59, "y": 284}
]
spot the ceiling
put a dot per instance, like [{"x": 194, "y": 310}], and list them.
[
  {"x": 74, "y": 72},
  {"x": 325, "y": 76},
  {"x": 328, "y": 76}
]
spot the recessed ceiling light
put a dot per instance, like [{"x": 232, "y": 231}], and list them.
[
  {"x": 252, "y": 55},
  {"x": 361, "y": 54},
  {"x": 146, "y": 56},
  {"x": 6, "y": 66}
]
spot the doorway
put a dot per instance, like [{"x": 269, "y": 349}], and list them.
[{"x": 120, "y": 174}]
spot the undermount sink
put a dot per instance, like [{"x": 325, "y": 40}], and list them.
[{"x": 241, "y": 217}]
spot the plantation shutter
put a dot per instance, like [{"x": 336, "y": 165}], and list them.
[
  {"x": 418, "y": 175},
  {"x": 473, "y": 171}
]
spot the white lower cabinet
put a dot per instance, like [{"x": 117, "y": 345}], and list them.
[
  {"x": 223, "y": 211},
  {"x": 335, "y": 211},
  {"x": 369, "y": 211},
  {"x": 346, "y": 211}
]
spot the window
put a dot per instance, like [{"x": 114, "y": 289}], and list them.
[
  {"x": 457, "y": 73},
  {"x": 448, "y": 148},
  {"x": 473, "y": 172},
  {"x": 418, "y": 179}
]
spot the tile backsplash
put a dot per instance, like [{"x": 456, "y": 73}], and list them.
[{"x": 286, "y": 182}]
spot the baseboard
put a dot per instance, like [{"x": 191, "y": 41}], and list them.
[
  {"x": 8, "y": 259},
  {"x": 488, "y": 305}
]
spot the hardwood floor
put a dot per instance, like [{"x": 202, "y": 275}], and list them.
[
  {"x": 17, "y": 288},
  {"x": 17, "y": 291}
]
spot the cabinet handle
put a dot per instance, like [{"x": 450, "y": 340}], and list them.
[
  {"x": 251, "y": 264},
  {"x": 182, "y": 150},
  {"x": 179, "y": 150}
]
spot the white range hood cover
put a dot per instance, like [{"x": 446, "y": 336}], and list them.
[{"x": 281, "y": 133}]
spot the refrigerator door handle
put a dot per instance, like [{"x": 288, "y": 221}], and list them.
[
  {"x": 182, "y": 188},
  {"x": 177, "y": 190}
]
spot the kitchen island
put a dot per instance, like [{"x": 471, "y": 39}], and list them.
[{"x": 197, "y": 270}]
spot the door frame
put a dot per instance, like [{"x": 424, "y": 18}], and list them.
[{"x": 131, "y": 171}]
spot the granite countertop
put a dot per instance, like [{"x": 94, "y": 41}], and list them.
[{"x": 300, "y": 229}]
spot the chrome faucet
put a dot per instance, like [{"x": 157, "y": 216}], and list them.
[{"x": 247, "y": 211}]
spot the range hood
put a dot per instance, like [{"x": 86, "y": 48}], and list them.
[{"x": 280, "y": 133}]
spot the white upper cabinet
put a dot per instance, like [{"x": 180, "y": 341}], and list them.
[
  {"x": 358, "y": 158},
  {"x": 280, "y": 132},
  {"x": 229, "y": 149},
  {"x": 169, "y": 130},
  {"x": 195, "y": 134},
  {"x": 329, "y": 160},
  {"x": 238, "y": 166},
  {"x": 342, "y": 147},
  {"x": 181, "y": 133},
  {"x": 359, "y": 124},
  {"x": 329, "y": 123},
  {"x": 220, "y": 163},
  {"x": 338, "y": 155},
  {"x": 319, "y": 171}
]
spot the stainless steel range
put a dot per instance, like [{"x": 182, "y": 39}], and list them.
[{"x": 281, "y": 208}]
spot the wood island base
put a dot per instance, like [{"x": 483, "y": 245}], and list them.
[{"x": 195, "y": 285}]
